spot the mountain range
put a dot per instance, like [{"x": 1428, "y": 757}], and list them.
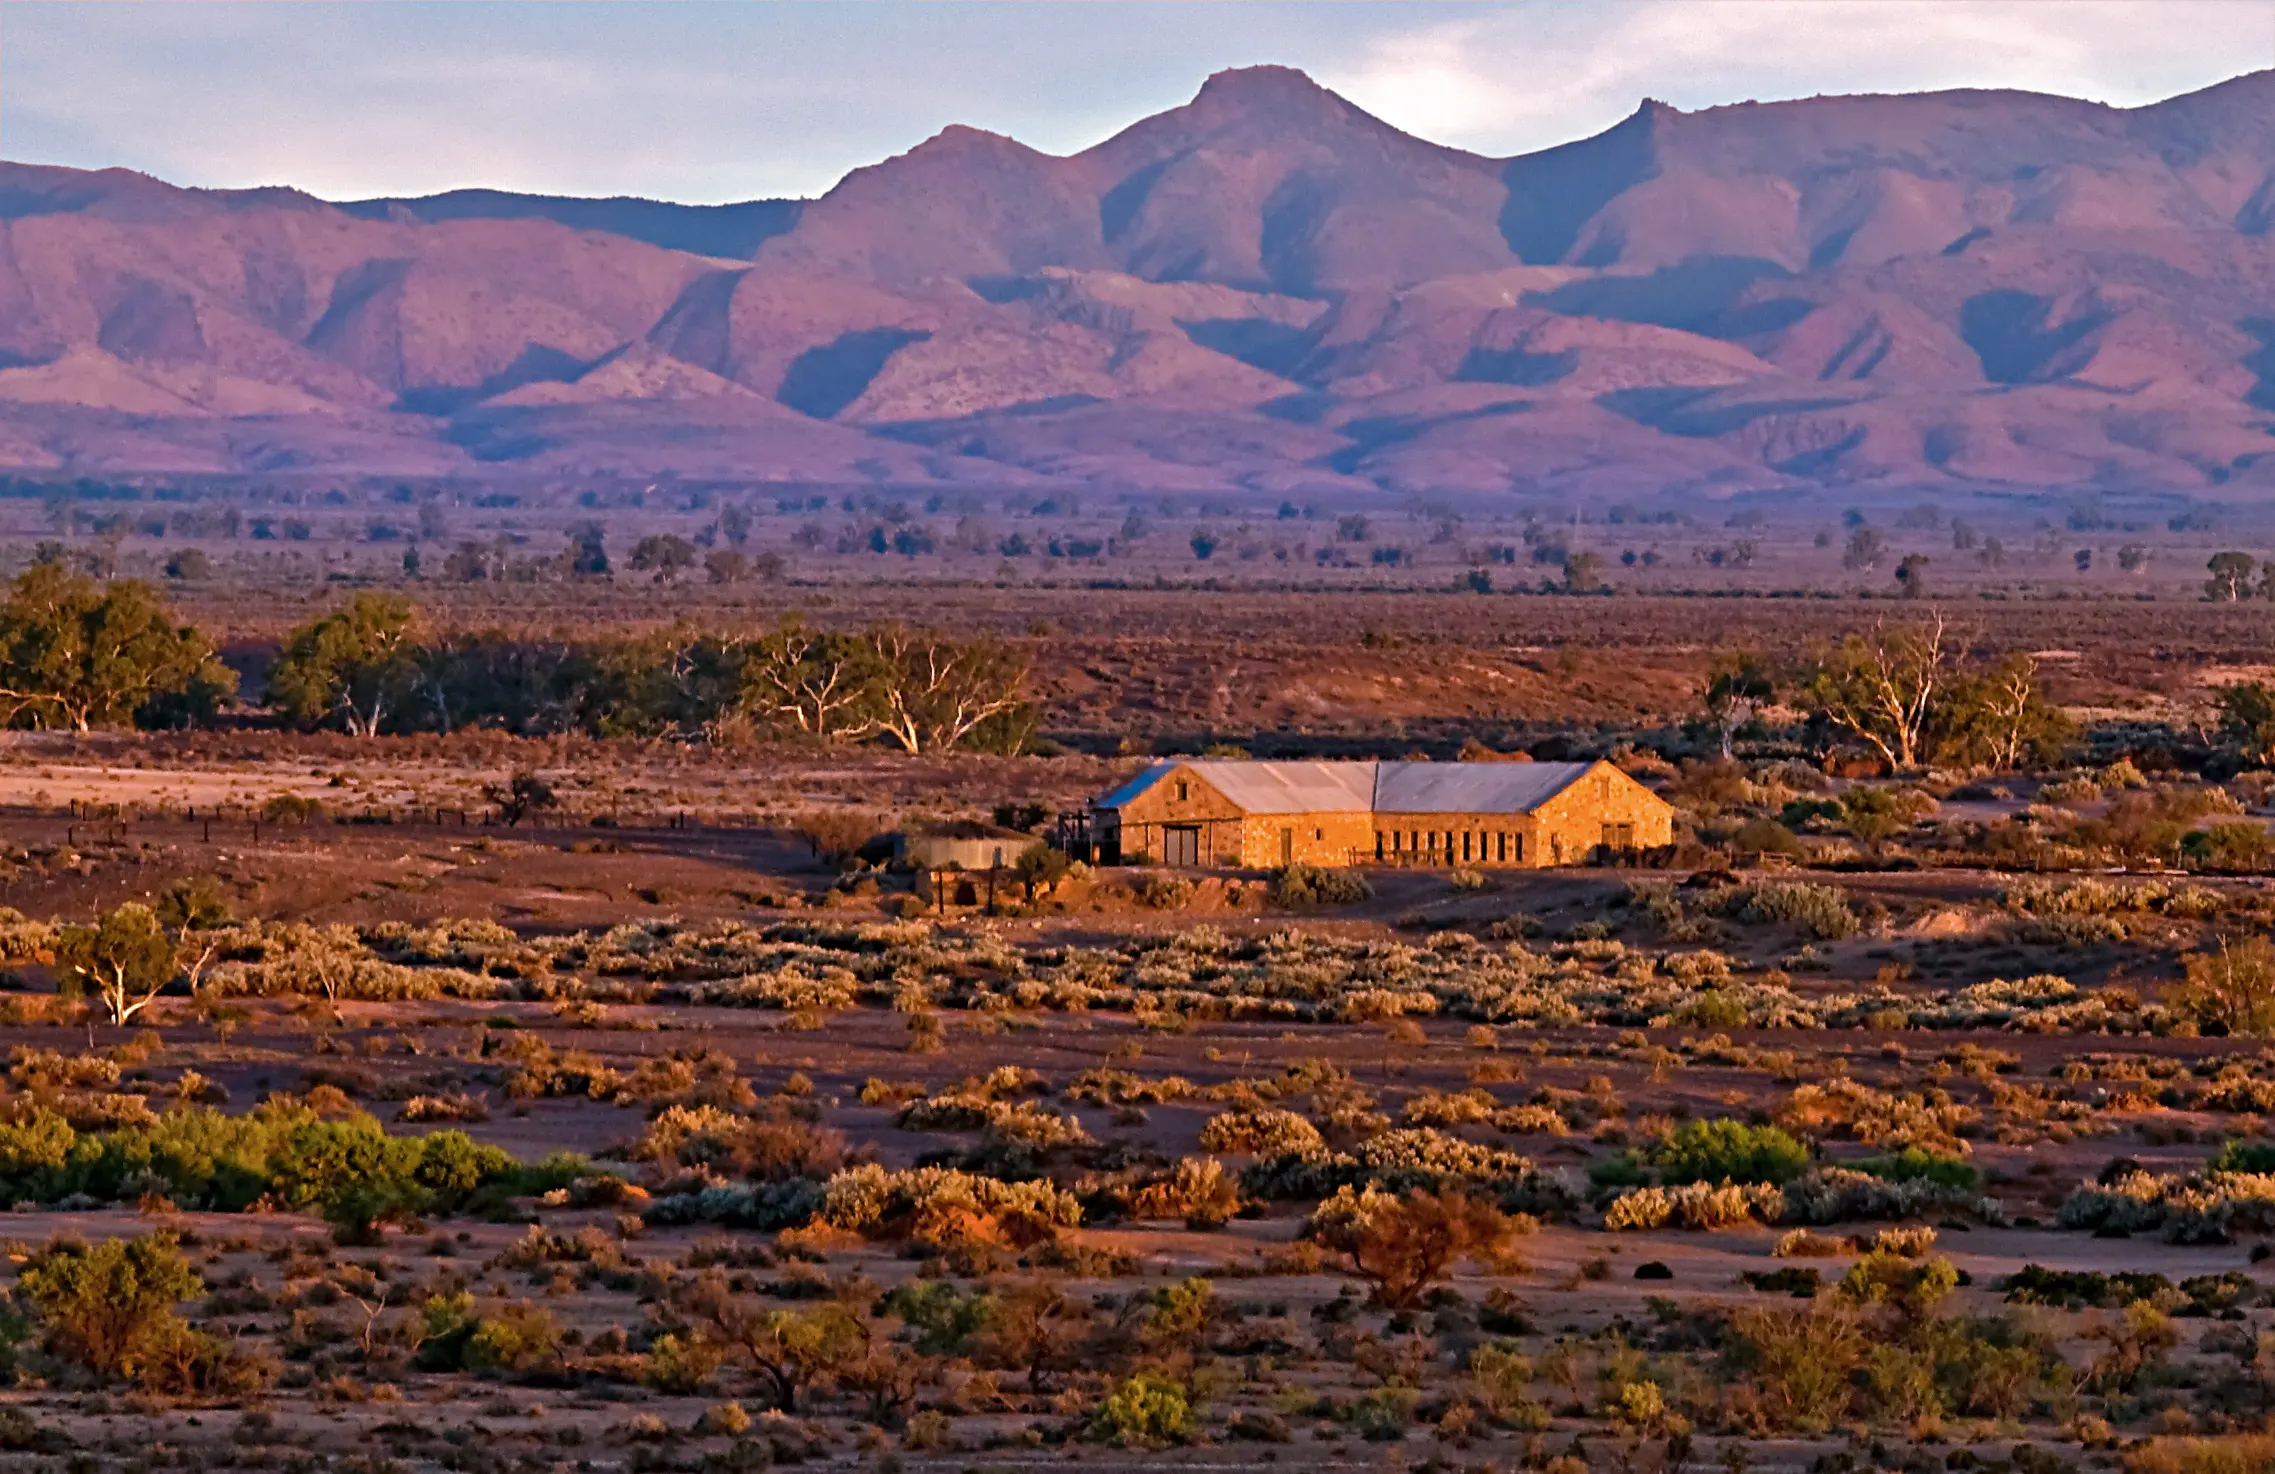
[{"x": 1266, "y": 290}]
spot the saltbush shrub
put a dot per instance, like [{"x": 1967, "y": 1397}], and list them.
[{"x": 1301, "y": 887}]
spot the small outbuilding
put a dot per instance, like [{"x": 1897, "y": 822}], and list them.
[
  {"x": 1256, "y": 815},
  {"x": 964, "y": 844}
]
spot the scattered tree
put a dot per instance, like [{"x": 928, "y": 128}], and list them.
[
  {"x": 358, "y": 664},
  {"x": 520, "y": 796},
  {"x": 1738, "y": 686},
  {"x": 2247, "y": 719},
  {"x": 2231, "y": 577},
  {"x": 789, "y": 1350},
  {"x": 665, "y": 554},
  {"x": 76, "y": 655},
  {"x": 2232, "y": 988},
  {"x": 1911, "y": 575},
  {"x": 124, "y": 961},
  {"x": 189, "y": 565},
  {"x": 1403, "y": 1245},
  {"x": 1880, "y": 688},
  {"x": 933, "y": 694},
  {"x": 1867, "y": 547},
  {"x": 587, "y": 553}
]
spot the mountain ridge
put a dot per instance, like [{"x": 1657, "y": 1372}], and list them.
[{"x": 1986, "y": 288}]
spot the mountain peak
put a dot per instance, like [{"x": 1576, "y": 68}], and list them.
[
  {"x": 1273, "y": 91},
  {"x": 963, "y": 138},
  {"x": 1261, "y": 81}
]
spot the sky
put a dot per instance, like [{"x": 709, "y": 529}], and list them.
[{"x": 708, "y": 102}]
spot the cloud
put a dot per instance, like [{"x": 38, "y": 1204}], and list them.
[{"x": 1516, "y": 80}]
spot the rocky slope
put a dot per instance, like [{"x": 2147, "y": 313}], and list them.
[{"x": 1266, "y": 289}]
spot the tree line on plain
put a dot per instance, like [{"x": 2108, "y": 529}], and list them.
[{"x": 79, "y": 655}]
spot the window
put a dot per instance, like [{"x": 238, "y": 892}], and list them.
[
  {"x": 1619, "y": 838},
  {"x": 1520, "y": 857},
  {"x": 1465, "y": 844},
  {"x": 1320, "y": 834},
  {"x": 1502, "y": 844},
  {"x": 1378, "y": 844},
  {"x": 1184, "y": 790}
]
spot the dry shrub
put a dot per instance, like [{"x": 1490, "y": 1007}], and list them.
[
  {"x": 1198, "y": 1190},
  {"x": 1793, "y": 1369},
  {"x": 1402, "y": 1245},
  {"x": 2235, "y": 1453},
  {"x": 1264, "y": 1133},
  {"x": 46, "y": 1070},
  {"x": 836, "y": 835},
  {"x": 1695, "y": 1205},
  {"x": 942, "y": 1206},
  {"x": 1532, "y": 1119},
  {"x": 1163, "y": 892},
  {"x": 1904, "y": 1240},
  {"x": 779, "y": 1149},
  {"x": 1802, "y": 1243},
  {"x": 1932, "y": 1121},
  {"x": 1441, "y": 1108},
  {"x": 464, "y": 1107}
]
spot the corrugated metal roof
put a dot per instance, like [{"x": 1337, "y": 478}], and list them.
[
  {"x": 1347, "y": 787},
  {"x": 1471, "y": 788},
  {"x": 1133, "y": 788},
  {"x": 1291, "y": 788}
]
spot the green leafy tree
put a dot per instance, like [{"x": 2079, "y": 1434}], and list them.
[
  {"x": 2247, "y": 719},
  {"x": 77, "y": 655},
  {"x": 353, "y": 1174},
  {"x": 935, "y": 694},
  {"x": 1998, "y": 717},
  {"x": 358, "y": 665},
  {"x": 2230, "y": 577},
  {"x": 109, "y": 1307},
  {"x": 1881, "y": 688},
  {"x": 820, "y": 683},
  {"x": 194, "y": 903},
  {"x": 665, "y": 554},
  {"x": 124, "y": 961}
]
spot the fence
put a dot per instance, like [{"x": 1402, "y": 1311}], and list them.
[{"x": 84, "y": 822}]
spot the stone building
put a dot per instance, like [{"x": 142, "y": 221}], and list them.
[{"x": 1257, "y": 815}]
